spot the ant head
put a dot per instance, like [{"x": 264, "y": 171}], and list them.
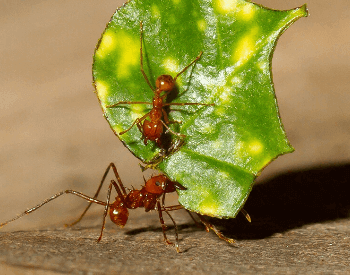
[
  {"x": 156, "y": 185},
  {"x": 165, "y": 83}
]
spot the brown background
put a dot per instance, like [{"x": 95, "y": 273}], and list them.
[{"x": 53, "y": 136}]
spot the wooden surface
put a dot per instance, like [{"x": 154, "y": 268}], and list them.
[
  {"x": 53, "y": 137},
  {"x": 313, "y": 249}
]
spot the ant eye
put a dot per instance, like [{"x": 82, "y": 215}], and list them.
[{"x": 157, "y": 183}]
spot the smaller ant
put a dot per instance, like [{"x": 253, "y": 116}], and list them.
[
  {"x": 151, "y": 196},
  {"x": 153, "y": 129}
]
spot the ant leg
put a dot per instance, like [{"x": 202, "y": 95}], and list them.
[
  {"x": 141, "y": 58},
  {"x": 167, "y": 121},
  {"x": 177, "y": 207},
  {"x": 111, "y": 165},
  {"x": 121, "y": 186},
  {"x": 176, "y": 234},
  {"x": 175, "y": 146},
  {"x": 81, "y": 195},
  {"x": 209, "y": 226},
  {"x": 246, "y": 215},
  {"x": 106, "y": 207},
  {"x": 174, "y": 207},
  {"x": 144, "y": 138},
  {"x": 171, "y": 131},
  {"x": 184, "y": 104},
  {"x": 95, "y": 196},
  {"x": 137, "y": 121},
  {"x": 156, "y": 160},
  {"x": 197, "y": 223},
  {"x": 127, "y": 102},
  {"x": 164, "y": 227},
  {"x": 184, "y": 69}
]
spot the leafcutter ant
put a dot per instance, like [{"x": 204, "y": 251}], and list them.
[
  {"x": 153, "y": 129},
  {"x": 151, "y": 196}
]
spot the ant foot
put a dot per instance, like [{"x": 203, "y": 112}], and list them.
[
  {"x": 71, "y": 224},
  {"x": 167, "y": 242}
]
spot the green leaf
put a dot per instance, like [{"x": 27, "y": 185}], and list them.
[{"x": 228, "y": 144}]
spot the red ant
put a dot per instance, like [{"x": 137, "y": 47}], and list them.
[
  {"x": 151, "y": 196},
  {"x": 153, "y": 129}
]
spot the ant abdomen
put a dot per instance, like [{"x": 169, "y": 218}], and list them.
[
  {"x": 154, "y": 131},
  {"x": 118, "y": 213}
]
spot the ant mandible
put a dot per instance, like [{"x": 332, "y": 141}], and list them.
[
  {"x": 151, "y": 196},
  {"x": 153, "y": 129}
]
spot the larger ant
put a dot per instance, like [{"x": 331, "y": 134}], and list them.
[
  {"x": 151, "y": 196},
  {"x": 153, "y": 129}
]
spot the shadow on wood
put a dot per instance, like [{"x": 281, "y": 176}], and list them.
[{"x": 291, "y": 200}]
